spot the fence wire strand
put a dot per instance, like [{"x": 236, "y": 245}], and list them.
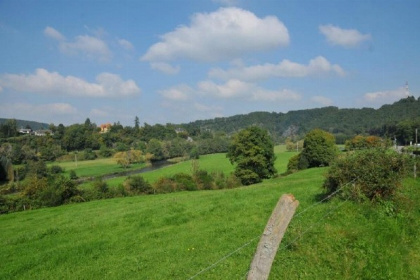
[{"x": 290, "y": 243}]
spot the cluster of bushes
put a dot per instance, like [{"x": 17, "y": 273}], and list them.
[
  {"x": 368, "y": 171},
  {"x": 48, "y": 187},
  {"x": 37, "y": 192},
  {"x": 200, "y": 180},
  {"x": 371, "y": 174},
  {"x": 136, "y": 185},
  {"x": 361, "y": 142}
]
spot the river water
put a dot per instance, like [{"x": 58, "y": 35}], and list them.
[{"x": 154, "y": 166}]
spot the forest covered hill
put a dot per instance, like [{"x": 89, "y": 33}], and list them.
[
  {"x": 341, "y": 122},
  {"x": 394, "y": 120},
  {"x": 24, "y": 124}
]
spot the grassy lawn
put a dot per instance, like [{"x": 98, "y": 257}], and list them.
[
  {"x": 175, "y": 236},
  {"x": 211, "y": 163}
]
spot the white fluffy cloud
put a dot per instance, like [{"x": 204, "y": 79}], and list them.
[
  {"x": 387, "y": 96},
  {"x": 343, "y": 37},
  {"x": 126, "y": 44},
  {"x": 229, "y": 90},
  {"x": 88, "y": 46},
  {"x": 45, "y": 82},
  {"x": 177, "y": 93},
  {"x": 223, "y": 34},
  {"x": 248, "y": 91},
  {"x": 284, "y": 69},
  {"x": 54, "y": 34},
  {"x": 165, "y": 68}
]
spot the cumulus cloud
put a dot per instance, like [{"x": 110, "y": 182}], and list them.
[
  {"x": 322, "y": 100},
  {"x": 249, "y": 91},
  {"x": 54, "y": 34},
  {"x": 232, "y": 88},
  {"x": 177, "y": 93},
  {"x": 343, "y": 37},
  {"x": 126, "y": 44},
  {"x": 45, "y": 82},
  {"x": 88, "y": 46},
  {"x": 165, "y": 68},
  {"x": 223, "y": 34},
  {"x": 285, "y": 69},
  {"x": 387, "y": 96}
]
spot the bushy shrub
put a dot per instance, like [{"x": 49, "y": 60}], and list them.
[
  {"x": 372, "y": 174},
  {"x": 165, "y": 185},
  {"x": 56, "y": 169},
  {"x": 101, "y": 188},
  {"x": 204, "y": 180},
  {"x": 194, "y": 154},
  {"x": 137, "y": 185},
  {"x": 89, "y": 154},
  {"x": 360, "y": 142},
  {"x": 105, "y": 152},
  {"x": 54, "y": 191},
  {"x": 293, "y": 164},
  {"x": 4, "y": 205},
  {"x": 221, "y": 181},
  {"x": 184, "y": 182},
  {"x": 73, "y": 175},
  {"x": 248, "y": 177},
  {"x": 36, "y": 168}
]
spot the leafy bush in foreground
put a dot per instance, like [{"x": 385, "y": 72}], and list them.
[{"x": 373, "y": 174}]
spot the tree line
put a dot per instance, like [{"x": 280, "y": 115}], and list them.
[{"x": 397, "y": 120}]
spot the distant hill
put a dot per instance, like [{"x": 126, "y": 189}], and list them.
[
  {"x": 24, "y": 123},
  {"x": 341, "y": 122}
]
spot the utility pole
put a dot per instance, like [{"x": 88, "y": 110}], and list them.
[{"x": 75, "y": 157}]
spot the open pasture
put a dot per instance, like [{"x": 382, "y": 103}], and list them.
[
  {"x": 179, "y": 235},
  {"x": 95, "y": 168}
]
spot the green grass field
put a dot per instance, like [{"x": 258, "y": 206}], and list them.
[
  {"x": 178, "y": 235},
  {"x": 211, "y": 163}
]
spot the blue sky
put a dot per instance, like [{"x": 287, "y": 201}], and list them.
[{"x": 179, "y": 61}]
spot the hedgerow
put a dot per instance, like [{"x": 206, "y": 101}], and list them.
[{"x": 373, "y": 174}]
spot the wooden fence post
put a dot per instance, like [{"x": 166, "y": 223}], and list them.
[{"x": 270, "y": 240}]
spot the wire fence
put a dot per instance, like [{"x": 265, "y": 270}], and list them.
[{"x": 312, "y": 225}]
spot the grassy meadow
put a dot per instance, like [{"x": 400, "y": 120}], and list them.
[
  {"x": 211, "y": 163},
  {"x": 179, "y": 235}
]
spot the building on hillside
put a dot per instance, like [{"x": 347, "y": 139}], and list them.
[
  {"x": 179, "y": 130},
  {"x": 43, "y": 132},
  {"x": 25, "y": 131},
  {"x": 105, "y": 128}
]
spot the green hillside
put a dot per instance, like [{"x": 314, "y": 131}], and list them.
[
  {"x": 24, "y": 123},
  {"x": 346, "y": 122},
  {"x": 213, "y": 235}
]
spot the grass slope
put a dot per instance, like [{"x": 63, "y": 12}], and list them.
[{"x": 175, "y": 236}]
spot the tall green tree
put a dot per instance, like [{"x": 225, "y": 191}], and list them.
[
  {"x": 136, "y": 123},
  {"x": 252, "y": 151},
  {"x": 319, "y": 149}
]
